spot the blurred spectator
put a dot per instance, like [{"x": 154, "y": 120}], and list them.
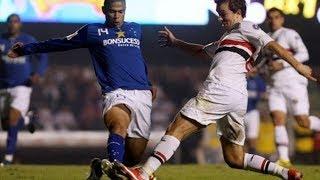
[
  {"x": 65, "y": 120},
  {"x": 46, "y": 119}
]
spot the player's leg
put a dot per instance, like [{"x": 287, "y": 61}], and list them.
[
  {"x": 134, "y": 149},
  {"x": 300, "y": 106},
  {"x": 12, "y": 135},
  {"x": 252, "y": 124},
  {"x": 278, "y": 111},
  {"x": 235, "y": 157},
  {"x": 232, "y": 136},
  {"x": 127, "y": 116},
  {"x": 18, "y": 108},
  {"x": 179, "y": 129},
  {"x": 117, "y": 120},
  {"x": 310, "y": 122},
  {"x": 281, "y": 137}
]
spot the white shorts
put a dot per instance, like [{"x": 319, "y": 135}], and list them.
[
  {"x": 291, "y": 99},
  {"x": 252, "y": 124},
  {"x": 20, "y": 98},
  {"x": 140, "y": 104},
  {"x": 226, "y": 107}
]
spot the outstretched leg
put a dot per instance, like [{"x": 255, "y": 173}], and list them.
[{"x": 235, "y": 157}]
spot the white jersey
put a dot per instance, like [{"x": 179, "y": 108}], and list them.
[
  {"x": 290, "y": 40},
  {"x": 233, "y": 56}
]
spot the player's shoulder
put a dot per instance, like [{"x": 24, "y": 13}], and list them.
[
  {"x": 248, "y": 25},
  {"x": 93, "y": 26},
  {"x": 27, "y": 37},
  {"x": 289, "y": 31},
  {"x": 132, "y": 24}
]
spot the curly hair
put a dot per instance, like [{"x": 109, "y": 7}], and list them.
[
  {"x": 235, "y": 5},
  {"x": 274, "y": 9},
  {"x": 107, "y": 3}
]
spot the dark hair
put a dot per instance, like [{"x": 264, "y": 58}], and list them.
[
  {"x": 107, "y": 3},
  {"x": 274, "y": 9},
  {"x": 235, "y": 5},
  {"x": 13, "y": 15}
]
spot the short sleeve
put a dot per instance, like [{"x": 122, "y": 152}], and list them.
[
  {"x": 210, "y": 49},
  {"x": 255, "y": 34}
]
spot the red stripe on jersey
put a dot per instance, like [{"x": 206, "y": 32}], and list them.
[
  {"x": 161, "y": 155},
  {"x": 245, "y": 44},
  {"x": 291, "y": 50},
  {"x": 249, "y": 65},
  {"x": 262, "y": 165}
]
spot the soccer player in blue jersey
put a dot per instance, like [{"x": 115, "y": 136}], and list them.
[
  {"x": 256, "y": 91},
  {"x": 17, "y": 75},
  {"x": 122, "y": 74}
]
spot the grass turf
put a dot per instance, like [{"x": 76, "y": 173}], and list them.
[{"x": 174, "y": 172}]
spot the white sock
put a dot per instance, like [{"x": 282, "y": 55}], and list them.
[
  {"x": 259, "y": 164},
  {"x": 314, "y": 123},
  {"x": 26, "y": 120},
  {"x": 162, "y": 153},
  {"x": 282, "y": 142},
  {"x": 8, "y": 157}
]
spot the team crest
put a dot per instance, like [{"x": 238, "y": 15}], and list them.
[
  {"x": 256, "y": 26},
  {"x": 120, "y": 34}
]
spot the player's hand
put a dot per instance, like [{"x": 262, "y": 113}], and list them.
[
  {"x": 16, "y": 50},
  {"x": 166, "y": 38},
  {"x": 154, "y": 93},
  {"x": 305, "y": 71}
]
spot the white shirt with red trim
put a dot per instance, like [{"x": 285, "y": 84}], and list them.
[
  {"x": 290, "y": 40},
  {"x": 233, "y": 56}
]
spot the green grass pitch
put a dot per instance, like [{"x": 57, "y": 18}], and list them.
[{"x": 169, "y": 172}]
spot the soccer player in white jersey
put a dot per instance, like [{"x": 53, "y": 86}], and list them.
[
  {"x": 223, "y": 97},
  {"x": 288, "y": 89}
]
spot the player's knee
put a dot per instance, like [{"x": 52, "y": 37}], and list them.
[
  {"x": 234, "y": 161},
  {"x": 175, "y": 129},
  {"x": 118, "y": 128},
  {"x": 278, "y": 120},
  {"x": 14, "y": 117},
  {"x": 303, "y": 121}
]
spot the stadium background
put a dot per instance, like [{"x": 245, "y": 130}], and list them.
[{"x": 68, "y": 98}]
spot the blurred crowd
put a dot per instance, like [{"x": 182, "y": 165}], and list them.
[{"x": 69, "y": 97}]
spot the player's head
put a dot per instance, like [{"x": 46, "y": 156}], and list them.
[
  {"x": 14, "y": 24},
  {"x": 231, "y": 12},
  {"x": 275, "y": 18},
  {"x": 114, "y": 11}
]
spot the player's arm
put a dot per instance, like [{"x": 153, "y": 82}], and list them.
[
  {"x": 304, "y": 70},
  {"x": 298, "y": 47},
  {"x": 73, "y": 41},
  {"x": 167, "y": 38},
  {"x": 260, "y": 39}
]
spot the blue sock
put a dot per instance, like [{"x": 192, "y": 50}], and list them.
[
  {"x": 115, "y": 147},
  {"x": 20, "y": 124},
  {"x": 12, "y": 139}
]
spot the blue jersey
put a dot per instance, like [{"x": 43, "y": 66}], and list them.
[
  {"x": 17, "y": 71},
  {"x": 115, "y": 54},
  {"x": 256, "y": 87}
]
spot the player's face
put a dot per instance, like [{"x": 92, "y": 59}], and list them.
[
  {"x": 227, "y": 17},
  {"x": 115, "y": 13},
  {"x": 275, "y": 20},
  {"x": 14, "y": 25}
]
